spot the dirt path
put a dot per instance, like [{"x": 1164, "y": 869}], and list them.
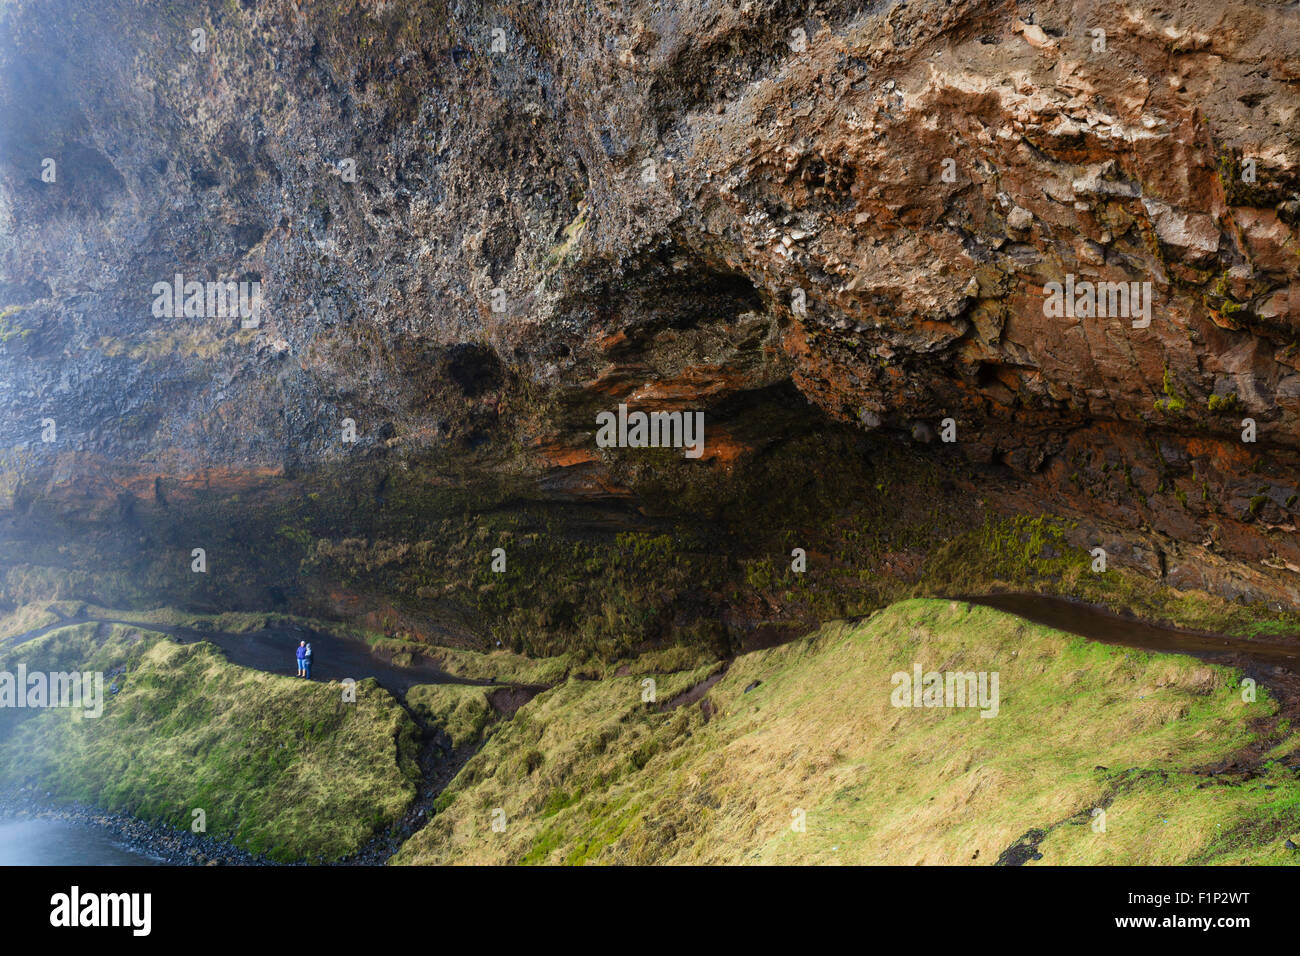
[
  {"x": 336, "y": 658},
  {"x": 272, "y": 650},
  {"x": 1098, "y": 624},
  {"x": 1273, "y": 663}
]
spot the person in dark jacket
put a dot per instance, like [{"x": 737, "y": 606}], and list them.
[{"x": 306, "y": 663}]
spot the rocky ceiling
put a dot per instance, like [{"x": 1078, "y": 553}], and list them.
[{"x": 454, "y": 209}]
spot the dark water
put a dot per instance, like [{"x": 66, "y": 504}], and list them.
[{"x": 42, "y": 842}]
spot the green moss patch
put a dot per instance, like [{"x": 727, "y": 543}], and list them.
[
  {"x": 280, "y": 766},
  {"x": 588, "y": 773}
]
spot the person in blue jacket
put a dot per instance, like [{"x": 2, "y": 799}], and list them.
[{"x": 302, "y": 657}]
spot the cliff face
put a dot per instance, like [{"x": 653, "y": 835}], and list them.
[{"x": 475, "y": 226}]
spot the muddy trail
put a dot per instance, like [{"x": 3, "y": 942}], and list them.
[
  {"x": 338, "y": 658},
  {"x": 333, "y": 657},
  {"x": 697, "y": 694},
  {"x": 1107, "y": 627},
  {"x": 272, "y": 650},
  {"x": 1273, "y": 663}
]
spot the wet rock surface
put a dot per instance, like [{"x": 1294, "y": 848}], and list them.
[
  {"x": 679, "y": 205},
  {"x": 173, "y": 847}
]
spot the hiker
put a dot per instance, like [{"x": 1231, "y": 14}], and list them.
[
  {"x": 302, "y": 657},
  {"x": 306, "y": 663}
]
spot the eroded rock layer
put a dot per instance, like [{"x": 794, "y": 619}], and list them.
[{"x": 474, "y": 227}]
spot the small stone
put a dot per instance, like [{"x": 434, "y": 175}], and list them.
[
  {"x": 1034, "y": 35},
  {"x": 1091, "y": 252},
  {"x": 1019, "y": 219}
]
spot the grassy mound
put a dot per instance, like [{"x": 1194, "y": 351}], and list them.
[
  {"x": 279, "y": 766},
  {"x": 461, "y": 710},
  {"x": 589, "y": 773}
]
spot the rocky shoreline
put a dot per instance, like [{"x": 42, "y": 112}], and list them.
[
  {"x": 182, "y": 848},
  {"x": 173, "y": 847}
]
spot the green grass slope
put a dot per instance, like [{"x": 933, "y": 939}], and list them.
[
  {"x": 587, "y": 772},
  {"x": 279, "y": 766}
]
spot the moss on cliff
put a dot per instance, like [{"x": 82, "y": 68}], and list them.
[
  {"x": 279, "y": 766},
  {"x": 1036, "y": 554},
  {"x": 587, "y": 773}
]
